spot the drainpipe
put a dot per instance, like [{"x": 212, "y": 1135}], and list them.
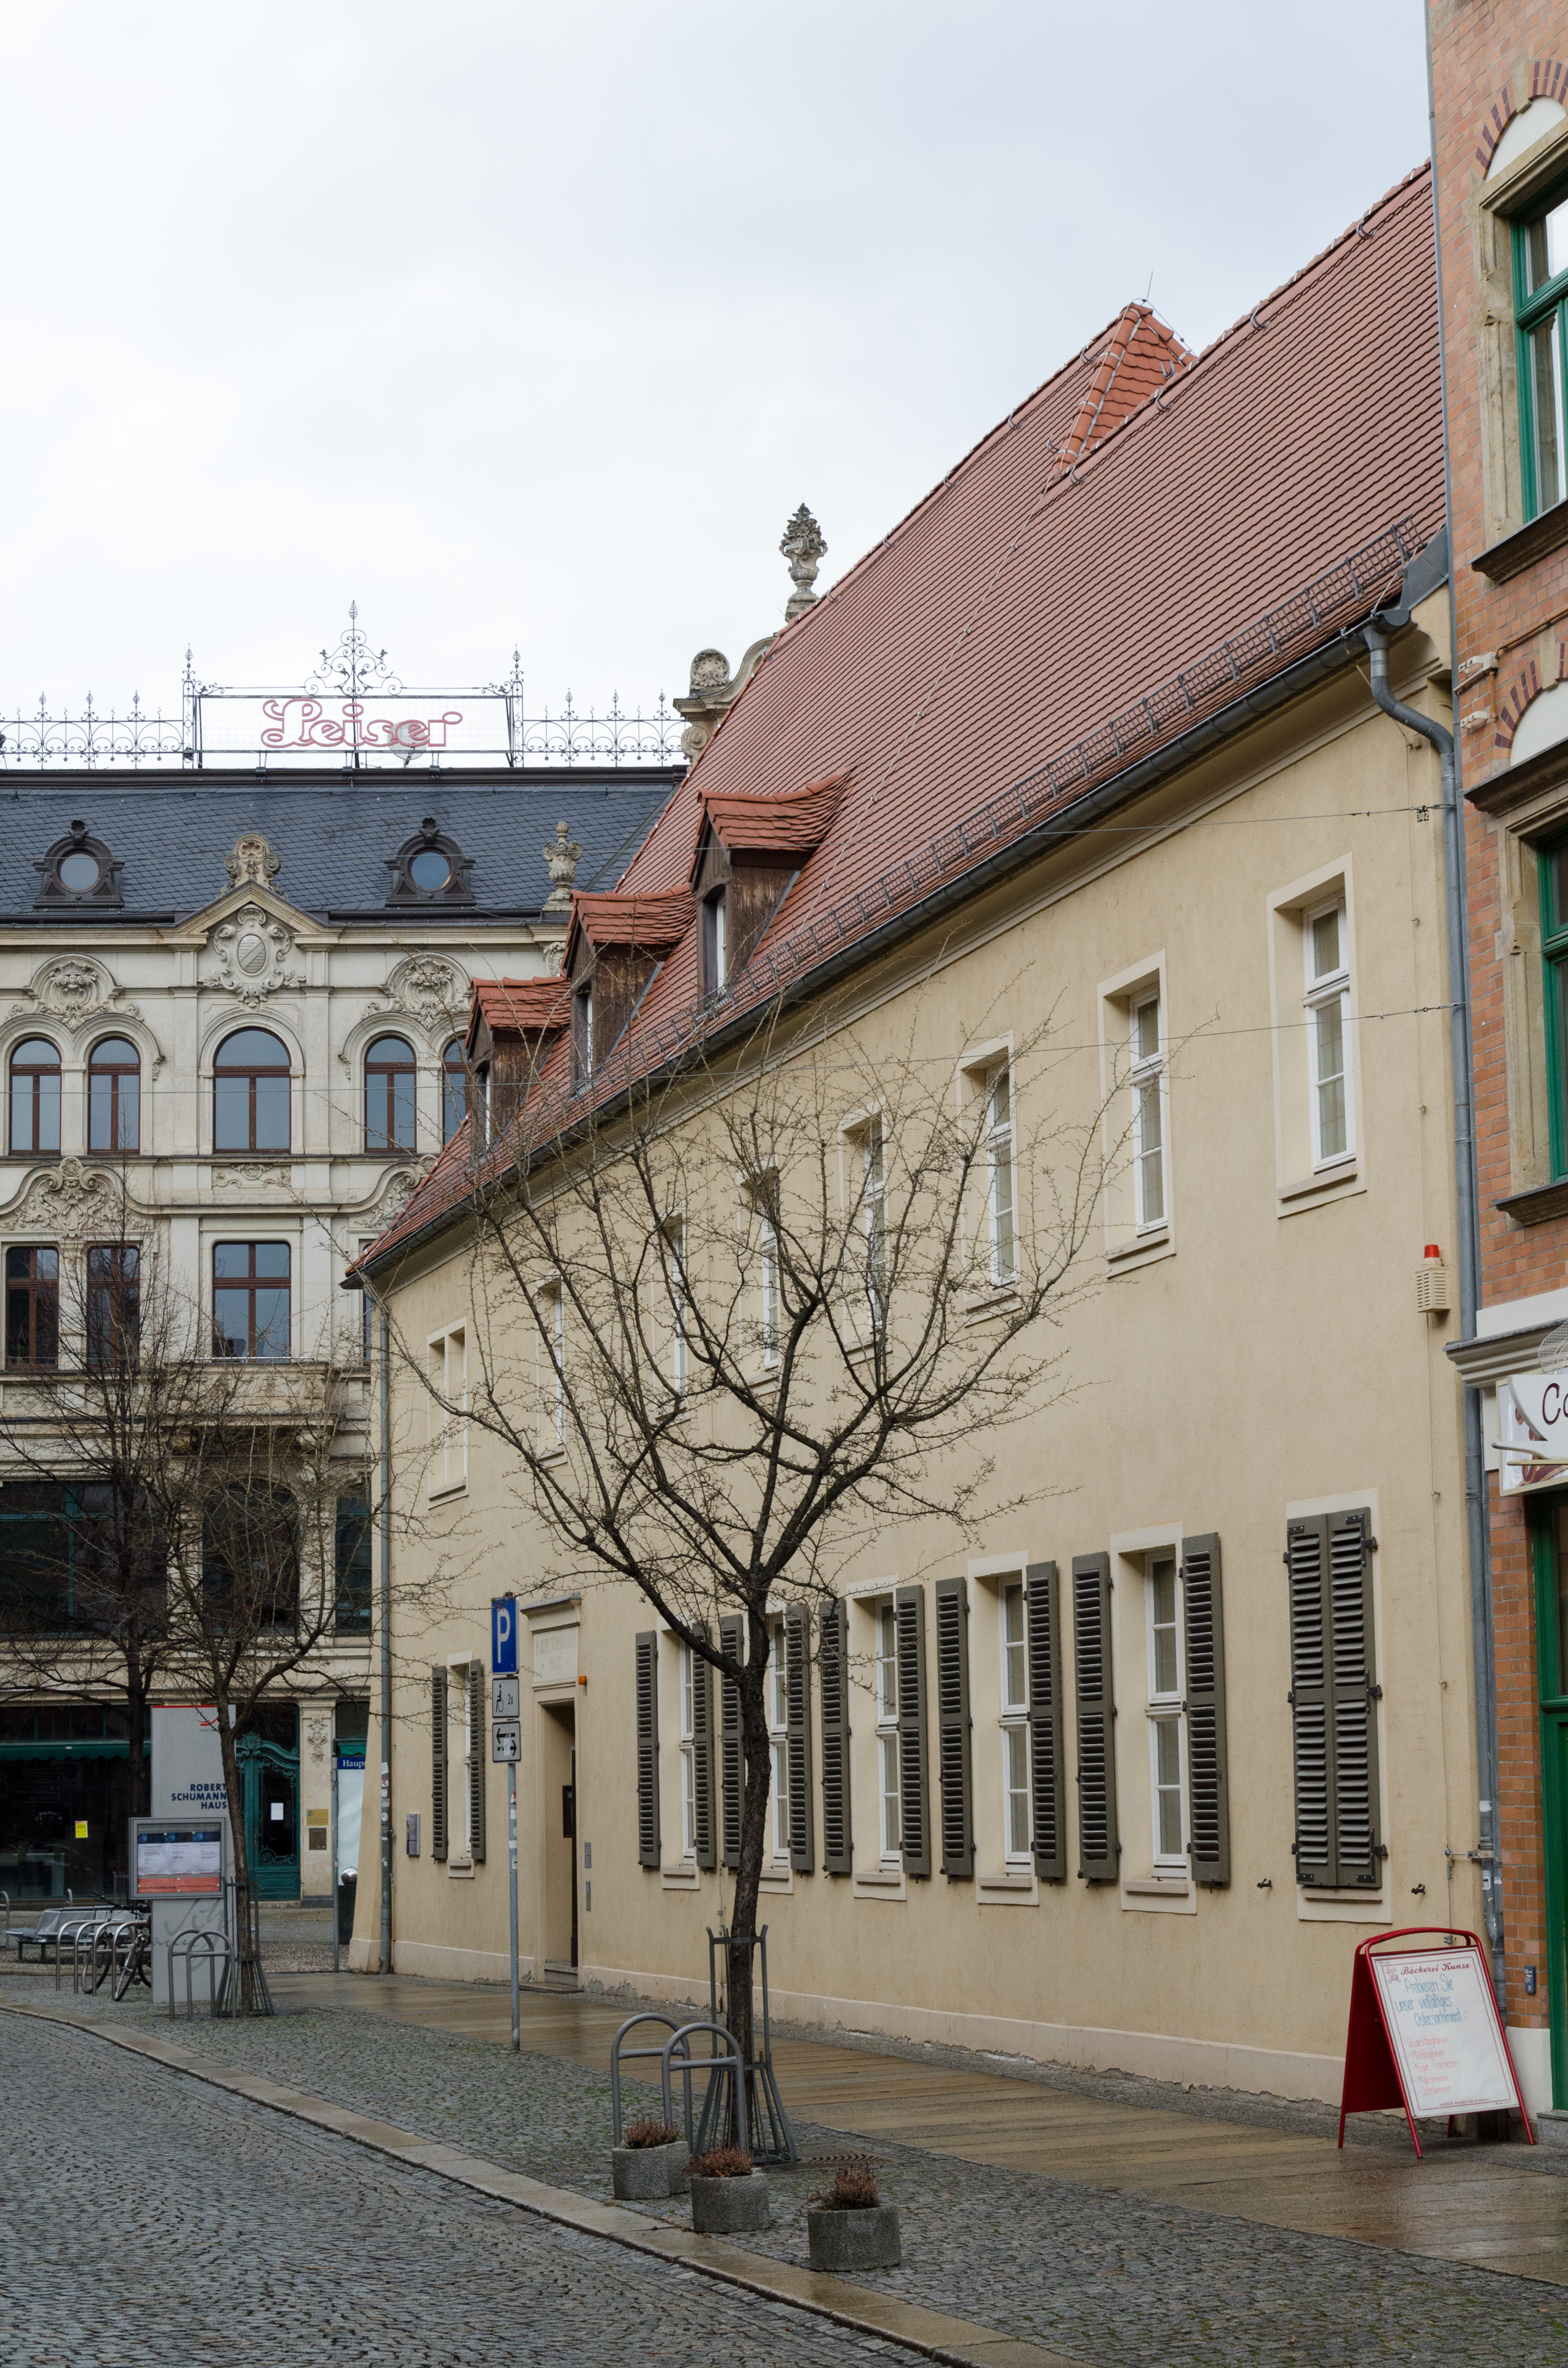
[
  {"x": 1467, "y": 1198},
  {"x": 386, "y": 1637}
]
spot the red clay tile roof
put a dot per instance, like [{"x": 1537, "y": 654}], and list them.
[
  {"x": 791, "y": 822},
  {"x": 632, "y": 917},
  {"x": 519, "y": 1006},
  {"x": 1046, "y": 618}
]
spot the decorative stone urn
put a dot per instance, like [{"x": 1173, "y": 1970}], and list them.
[
  {"x": 649, "y": 2174},
  {"x": 845, "y": 2241},
  {"x": 731, "y": 2207}
]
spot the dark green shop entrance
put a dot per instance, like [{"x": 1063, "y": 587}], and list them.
[
  {"x": 270, "y": 1767},
  {"x": 1550, "y": 1522}
]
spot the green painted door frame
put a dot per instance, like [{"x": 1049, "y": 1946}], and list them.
[
  {"x": 1551, "y": 1658},
  {"x": 271, "y": 1777}
]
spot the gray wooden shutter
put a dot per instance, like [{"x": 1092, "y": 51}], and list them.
[
  {"x": 1311, "y": 1699},
  {"x": 1099, "y": 1848},
  {"x": 1208, "y": 1808},
  {"x": 833, "y": 1661},
  {"x": 647, "y": 1747},
  {"x": 1355, "y": 1696},
  {"x": 1047, "y": 1782},
  {"x": 732, "y": 1757},
  {"x": 439, "y": 1763},
  {"x": 797, "y": 1735},
  {"x": 477, "y": 1761},
  {"x": 954, "y": 1772},
  {"x": 914, "y": 1824},
  {"x": 706, "y": 1850}
]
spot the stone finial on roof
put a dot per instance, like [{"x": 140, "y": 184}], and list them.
[
  {"x": 252, "y": 864},
  {"x": 803, "y": 546},
  {"x": 563, "y": 856}
]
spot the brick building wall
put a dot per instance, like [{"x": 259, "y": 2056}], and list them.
[{"x": 1491, "y": 60}]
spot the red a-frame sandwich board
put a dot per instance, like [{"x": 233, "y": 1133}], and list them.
[{"x": 1373, "y": 2077}]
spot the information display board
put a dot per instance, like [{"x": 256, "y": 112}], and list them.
[
  {"x": 1424, "y": 2032},
  {"x": 178, "y": 1862}
]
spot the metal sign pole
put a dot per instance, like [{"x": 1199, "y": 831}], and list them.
[
  {"x": 334, "y": 1877},
  {"x": 512, "y": 1877}
]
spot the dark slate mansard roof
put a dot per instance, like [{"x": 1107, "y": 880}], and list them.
[{"x": 333, "y": 833}]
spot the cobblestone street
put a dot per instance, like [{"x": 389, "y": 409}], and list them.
[
  {"x": 1117, "y": 2279},
  {"x": 151, "y": 2220}
]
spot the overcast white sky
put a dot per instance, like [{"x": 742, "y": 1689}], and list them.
[{"x": 527, "y": 324}]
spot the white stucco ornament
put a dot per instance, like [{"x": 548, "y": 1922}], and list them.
[
  {"x": 253, "y": 949},
  {"x": 74, "y": 989},
  {"x": 70, "y": 1200},
  {"x": 425, "y": 988},
  {"x": 252, "y": 862}
]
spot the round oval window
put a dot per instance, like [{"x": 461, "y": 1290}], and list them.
[
  {"x": 78, "y": 871},
  {"x": 251, "y": 954},
  {"x": 430, "y": 871}
]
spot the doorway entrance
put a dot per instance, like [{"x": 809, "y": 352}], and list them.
[
  {"x": 1550, "y": 1515},
  {"x": 269, "y": 1764},
  {"x": 558, "y": 1851}
]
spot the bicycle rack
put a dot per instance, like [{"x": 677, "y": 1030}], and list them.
[
  {"x": 718, "y": 2065},
  {"x": 138, "y": 1959},
  {"x": 5, "y": 1900},
  {"x": 619, "y": 2055},
  {"x": 71, "y": 1933},
  {"x": 211, "y": 1945}
]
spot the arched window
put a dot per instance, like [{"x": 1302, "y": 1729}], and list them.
[
  {"x": 389, "y": 1094},
  {"x": 250, "y": 1092},
  {"x": 114, "y": 1095},
  {"x": 454, "y": 1090},
  {"x": 35, "y": 1096}
]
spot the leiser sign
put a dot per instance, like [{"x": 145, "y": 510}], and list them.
[
  {"x": 1532, "y": 1431},
  {"x": 313, "y": 727}
]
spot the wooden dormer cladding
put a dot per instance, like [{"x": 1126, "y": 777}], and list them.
[
  {"x": 752, "y": 848},
  {"x": 511, "y": 1027},
  {"x": 617, "y": 942}
]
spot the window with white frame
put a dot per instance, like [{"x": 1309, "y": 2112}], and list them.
[
  {"x": 999, "y": 1172},
  {"x": 1148, "y": 1113},
  {"x": 761, "y": 1199},
  {"x": 687, "y": 1762},
  {"x": 873, "y": 1212},
  {"x": 448, "y": 1368},
  {"x": 1328, "y": 1035},
  {"x": 778, "y": 1728},
  {"x": 1168, "y": 1796},
  {"x": 887, "y": 1736},
  {"x": 1015, "y": 1726},
  {"x": 553, "y": 1365},
  {"x": 674, "y": 1262}
]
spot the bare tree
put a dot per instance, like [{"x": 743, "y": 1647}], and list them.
[
  {"x": 738, "y": 1321},
  {"x": 192, "y": 1504}
]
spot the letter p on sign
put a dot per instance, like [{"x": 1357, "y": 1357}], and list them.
[{"x": 503, "y": 1636}]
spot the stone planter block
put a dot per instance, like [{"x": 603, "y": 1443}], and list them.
[
  {"x": 846, "y": 2241},
  {"x": 729, "y": 2207},
  {"x": 1552, "y": 2128},
  {"x": 648, "y": 2174}
]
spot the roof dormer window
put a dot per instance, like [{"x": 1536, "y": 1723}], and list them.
[
  {"x": 430, "y": 868},
  {"x": 78, "y": 870},
  {"x": 715, "y": 942}
]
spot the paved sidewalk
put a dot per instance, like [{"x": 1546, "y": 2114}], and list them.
[{"x": 1120, "y": 2279}]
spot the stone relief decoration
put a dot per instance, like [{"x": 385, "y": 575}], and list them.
[
  {"x": 713, "y": 690},
  {"x": 70, "y": 1200},
  {"x": 74, "y": 990},
  {"x": 252, "y": 863},
  {"x": 253, "y": 949},
  {"x": 804, "y": 549},
  {"x": 425, "y": 988},
  {"x": 394, "y": 1196},
  {"x": 562, "y": 859},
  {"x": 318, "y": 1735},
  {"x": 251, "y": 1175}
]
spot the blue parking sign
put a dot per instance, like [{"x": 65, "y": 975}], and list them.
[{"x": 503, "y": 1636}]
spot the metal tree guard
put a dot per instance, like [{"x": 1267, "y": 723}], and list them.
[{"x": 772, "y": 2138}]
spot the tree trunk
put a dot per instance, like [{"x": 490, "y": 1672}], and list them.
[
  {"x": 245, "y": 1995},
  {"x": 136, "y": 1718},
  {"x": 757, "y": 1754}
]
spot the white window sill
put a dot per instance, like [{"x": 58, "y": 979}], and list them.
[
  {"x": 985, "y": 1306},
  {"x": 1159, "y": 1887},
  {"x": 461, "y": 1869},
  {"x": 881, "y": 1883},
  {"x": 1321, "y": 1179},
  {"x": 1017, "y": 1888},
  {"x": 685, "y": 1875},
  {"x": 551, "y": 1455},
  {"x": 445, "y": 1496},
  {"x": 1157, "y": 1238},
  {"x": 778, "y": 1877}
]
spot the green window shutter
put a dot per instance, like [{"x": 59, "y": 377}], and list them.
[
  {"x": 439, "y": 1763},
  {"x": 914, "y": 1825},
  {"x": 1048, "y": 1798},
  {"x": 647, "y": 1747},
  {"x": 1356, "y": 1695},
  {"x": 954, "y": 1779},
  {"x": 833, "y": 1661},
  {"x": 702, "y": 1757},
  {"x": 1098, "y": 1847},
  {"x": 732, "y": 1757},
  {"x": 1208, "y": 1808},
  {"x": 797, "y": 1735},
  {"x": 1311, "y": 1699},
  {"x": 477, "y": 1762}
]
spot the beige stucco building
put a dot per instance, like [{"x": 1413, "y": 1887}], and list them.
[{"x": 1110, "y": 821}]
